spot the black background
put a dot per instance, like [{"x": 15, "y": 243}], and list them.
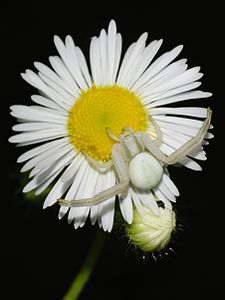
[{"x": 40, "y": 255}]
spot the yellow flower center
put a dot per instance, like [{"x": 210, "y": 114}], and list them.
[{"x": 101, "y": 107}]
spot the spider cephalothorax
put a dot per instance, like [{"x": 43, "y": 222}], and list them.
[{"x": 137, "y": 160}]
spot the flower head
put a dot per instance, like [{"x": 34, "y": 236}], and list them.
[{"x": 68, "y": 121}]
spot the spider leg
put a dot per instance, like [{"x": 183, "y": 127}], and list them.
[
  {"x": 193, "y": 143},
  {"x": 158, "y": 140},
  {"x": 111, "y": 135},
  {"x": 101, "y": 166},
  {"x": 120, "y": 188},
  {"x": 149, "y": 144},
  {"x": 187, "y": 148}
]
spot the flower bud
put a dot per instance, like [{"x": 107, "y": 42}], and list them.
[{"x": 151, "y": 232}]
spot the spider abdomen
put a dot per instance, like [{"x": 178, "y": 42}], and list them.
[{"x": 145, "y": 171}]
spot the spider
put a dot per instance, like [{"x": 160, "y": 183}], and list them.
[{"x": 138, "y": 160}]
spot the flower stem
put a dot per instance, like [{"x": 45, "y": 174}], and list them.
[{"x": 87, "y": 268}]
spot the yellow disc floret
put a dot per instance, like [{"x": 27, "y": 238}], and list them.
[{"x": 99, "y": 108}]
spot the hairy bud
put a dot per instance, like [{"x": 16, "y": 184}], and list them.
[{"x": 150, "y": 232}]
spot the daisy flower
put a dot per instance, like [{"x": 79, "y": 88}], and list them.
[{"x": 77, "y": 103}]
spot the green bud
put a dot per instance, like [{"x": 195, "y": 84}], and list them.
[{"x": 150, "y": 232}]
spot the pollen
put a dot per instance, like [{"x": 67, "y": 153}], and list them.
[{"x": 99, "y": 108}]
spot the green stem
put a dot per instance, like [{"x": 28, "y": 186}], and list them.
[{"x": 87, "y": 268}]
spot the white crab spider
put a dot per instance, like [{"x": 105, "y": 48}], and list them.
[{"x": 138, "y": 160}]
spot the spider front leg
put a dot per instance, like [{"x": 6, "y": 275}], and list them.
[
  {"x": 100, "y": 166},
  {"x": 186, "y": 149},
  {"x": 192, "y": 144},
  {"x": 158, "y": 140},
  {"x": 120, "y": 188}
]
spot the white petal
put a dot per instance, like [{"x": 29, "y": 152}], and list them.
[
  {"x": 49, "y": 171},
  {"x": 57, "y": 191},
  {"x": 167, "y": 180},
  {"x": 183, "y": 93},
  {"x": 172, "y": 142},
  {"x": 136, "y": 201},
  {"x": 99, "y": 223},
  {"x": 182, "y": 138},
  {"x": 199, "y": 112},
  {"x": 41, "y": 149},
  {"x": 198, "y": 154},
  {"x": 43, "y": 183},
  {"x": 62, "y": 211},
  {"x": 148, "y": 200},
  {"x": 107, "y": 208},
  {"x": 209, "y": 135},
  {"x": 73, "y": 192},
  {"x": 100, "y": 186},
  {"x": 132, "y": 54},
  {"x": 205, "y": 143},
  {"x": 117, "y": 57},
  {"x": 163, "y": 198},
  {"x": 134, "y": 60},
  {"x": 82, "y": 213},
  {"x": 170, "y": 71},
  {"x": 111, "y": 43},
  {"x": 104, "y": 78},
  {"x": 76, "y": 63},
  {"x": 187, "y": 162},
  {"x": 34, "y": 126},
  {"x": 42, "y": 140},
  {"x": 187, "y": 130},
  {"x": 34, "y": 113},
  {"x": 83, "y": 66},
  {"x": 190, "y": 163},
  {"x": 38, "y": 135},
  {"x": 85, "y": 190},
  {"x": 46, "y": 102},
  {"x": 95, "y": 61},
  {"x": 63, "y": 72},
  {"x": 36, "y": 81},
  {"x": 155, "y": 84},
  {"x": 47, "y": 182},
  {"x": 126, "y": 208},
  {"x": 44, "y": 152},
  {"x": 180, "y": 121},
  {"x": 163, "y": 188},
  {"x": 76, "y": 179},
  {"x": 104, "y": 186},
  {"x": 68, "y": 97},
  {"x": 70, "y": 60},
  {"x": 114, "y": 51},
  {"x": 53, "y": 76},
  {"x": 47, "y": 161},
  {"x": 175, "y": 142},
  {"x": 164, "y": 85},
  {"x": 124, "y": 61},
  {"x": 72, "y": 169},
  {"x": 157, "y": 66},
  {"x": 145, "y": 59}
]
